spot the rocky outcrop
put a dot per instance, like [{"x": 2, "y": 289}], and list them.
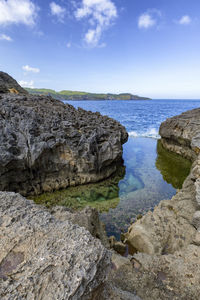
[
  {"x": 43, "y": 257},
  {"x": 168, "y": 239},
  {"x": 9, "y": 85},
  {"x": 46, "y": 145},
  {"x": 181, "y": 134}
]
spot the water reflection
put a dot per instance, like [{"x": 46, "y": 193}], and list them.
[
  {"x": 173, "y": 167},
  {"x": 103, "y": 195},
  {"x": 152, "y": 175}
]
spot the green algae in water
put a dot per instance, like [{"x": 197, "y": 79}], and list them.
[
  {"x": 173, "y": 167},
  {"x": 151, "y": 175},
  {"x": 102, "y": 196}
]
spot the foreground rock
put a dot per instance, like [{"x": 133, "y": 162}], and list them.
[
  {"x": 42, "y": 257},
  {"x": 46, "y": 145},
  {"x": 168, "y": 238}
]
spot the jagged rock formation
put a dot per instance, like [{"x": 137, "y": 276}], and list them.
[
  {"x": 47, "y": 145},
  {"x": 168, "y": 238},
  {"x": 181, "y": 134},
  {"x": 9, "y": 85},
  {"x": 42, "y": 257}
]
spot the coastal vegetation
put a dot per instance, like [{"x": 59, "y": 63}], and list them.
[{"x": 76, "y": 95}]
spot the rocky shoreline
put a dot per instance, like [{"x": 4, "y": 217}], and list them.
[
  {"x": 57, "y": 254},
  {"x": 168, "y": 238}
]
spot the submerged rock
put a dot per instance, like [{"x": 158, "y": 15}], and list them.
[
  {"x": 43, "y": 257},
  {"x": 46, "y": 145}
]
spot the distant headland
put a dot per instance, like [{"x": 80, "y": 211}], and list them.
[{"x": 76, "y": 95}]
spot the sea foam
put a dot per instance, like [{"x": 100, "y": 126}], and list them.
[{"x": 150, "y": 133}]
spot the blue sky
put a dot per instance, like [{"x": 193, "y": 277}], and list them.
[{"x": 146, "y": 47}]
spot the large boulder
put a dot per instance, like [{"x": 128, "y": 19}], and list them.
[
  {"x": 47, "y": 145},
  {"x": 181, "y": 134},
  {"x": 10, "y": 85},
  {"x": 44, "y": 257}
]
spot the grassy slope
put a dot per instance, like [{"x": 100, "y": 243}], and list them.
[{"x": 76, "y": 95}]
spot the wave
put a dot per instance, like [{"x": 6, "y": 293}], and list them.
[{"x": 150, "y": 133}]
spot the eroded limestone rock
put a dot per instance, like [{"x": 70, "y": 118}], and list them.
[
  {"x": 46, "y": 145},
  {"x": 44, "y": 258},
  {"x": 181, "y": 134}
]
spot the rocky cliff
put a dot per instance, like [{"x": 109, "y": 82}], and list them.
[
  {"x": 168, "y": 239},
  {"x": 47, "y": 145},
  {"x": 10, "y": 85}
]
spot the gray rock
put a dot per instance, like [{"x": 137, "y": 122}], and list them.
[
  {"x": 197, "y": 186},
  {"x": 42, "y": 257},
  {"x": 196, "y": 219},
  {"x": 181, "y": 134},
  {"x": 9, "y": 85},
  {"x": 46, "y": 145},
  {"x": 88, "y": 218}
]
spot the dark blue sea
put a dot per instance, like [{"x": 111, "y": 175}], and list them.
[{"x": 152, "y": 174}]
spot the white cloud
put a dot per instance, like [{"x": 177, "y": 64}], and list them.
[
  {"x": 146, "y": 21},
  {"x": 185, "y": 20},
  {"x": 149, "y": 19},
  {"x": 101, "y": 13},
  {"x": 29, "y": 84},
  {"x": 17, "y": 11},
  {"x": 30, "y": 69},
  {"x": 57, "y": 10},
  {"x": 69, "y": 45},
  {"x": 5, "y": 37}
]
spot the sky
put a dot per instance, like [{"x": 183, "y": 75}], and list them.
[{"x": 145, "y": 47}]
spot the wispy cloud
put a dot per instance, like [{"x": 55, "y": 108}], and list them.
[
  {"x": 5, "y": 38},
  {"x": 58, "y": 11},
  {"x": 17, "y": 11},
  {"x": 185, "y": 20},
  {"x": 29, "y": 84},
  {"x": 69, "y": 45},
  {"x": 149, "y": 19},
  {"x": 100, "y": 14},
  {"x": 30, "y": 69}
]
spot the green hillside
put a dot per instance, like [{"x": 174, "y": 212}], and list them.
[{"x": 76, "y": 95}]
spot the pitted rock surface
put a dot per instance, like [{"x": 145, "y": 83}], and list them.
[
  {"x": 47, "y": 145},
  {"x": 44, "y": 258},
  {"x": 181, "y": 134}
]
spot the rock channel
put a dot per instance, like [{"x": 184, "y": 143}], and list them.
[{"x": 45, "y": 254}]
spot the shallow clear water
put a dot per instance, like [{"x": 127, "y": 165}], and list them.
[{"x": 152, "y": 173}]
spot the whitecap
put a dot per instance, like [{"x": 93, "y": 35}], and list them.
[{"x": 150, "y": 133}]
